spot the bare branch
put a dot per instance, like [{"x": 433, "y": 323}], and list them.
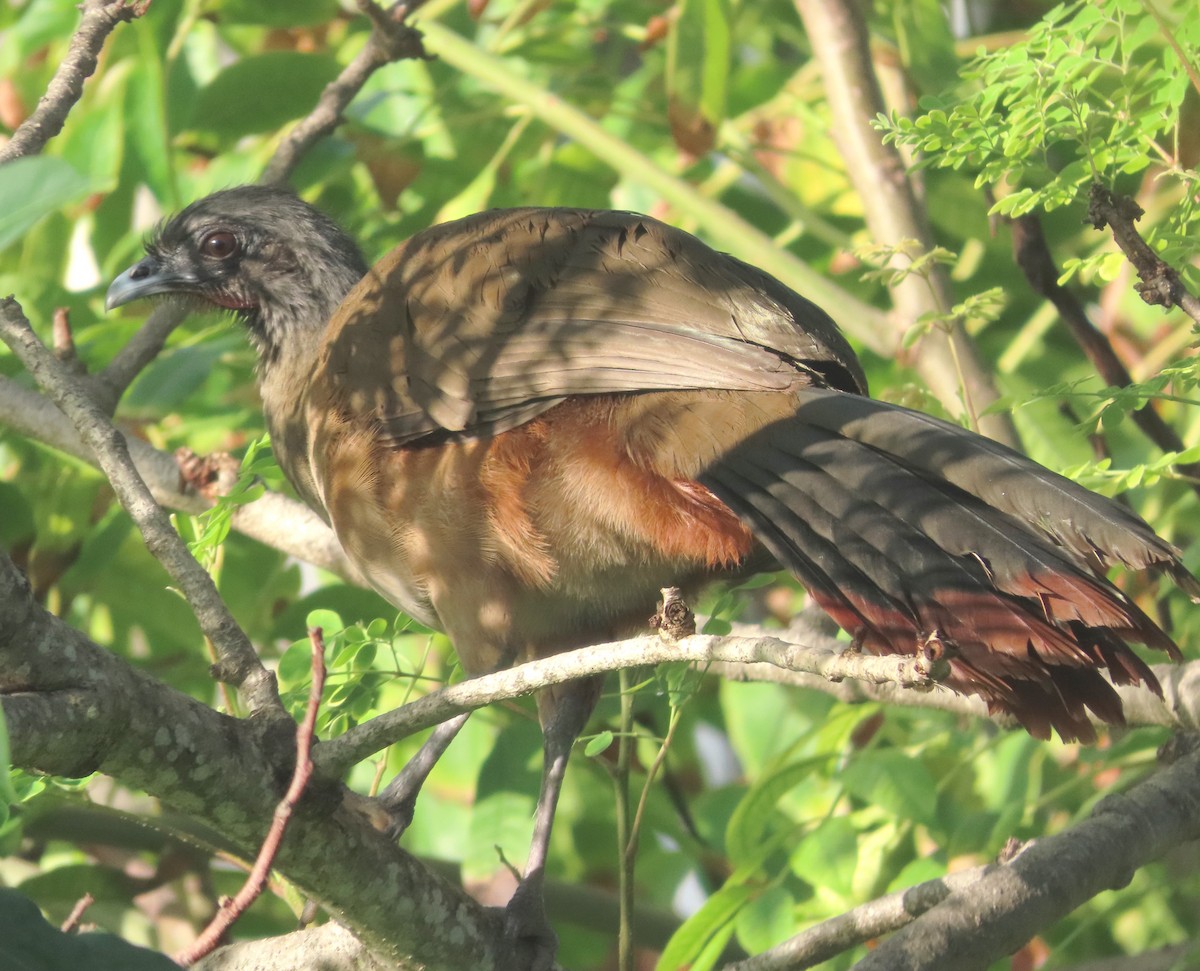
[
  {"x": 861, "y": 924},
  {"x": 391, "y": 40},
  {"x": 66, "y": 87},
  {"x": 238, "y": 664},
  {"x": 71, "y": 924},
  {"x": 1161, "y": 284},
  {"x": 838, "y": 35},
  {"x": 274, "y": 519},
  {"x": 256, "y": 880},
  {"x": 334, "y": 757},
  {"x": 1051, "y": 878}
]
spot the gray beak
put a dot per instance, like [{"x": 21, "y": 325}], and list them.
[{"x": 145, "y": 279}]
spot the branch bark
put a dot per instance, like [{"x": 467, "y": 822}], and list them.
[
  {"x": 73, "y": 708},
  {"x": 100, "y": 17},
  {"x": 1051, "y": 878},
  {"x": 1161, "y": 284},
  {"x": 238, "y": 664}
]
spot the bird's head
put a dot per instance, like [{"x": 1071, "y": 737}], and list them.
[{"x": 259, "y": 251}]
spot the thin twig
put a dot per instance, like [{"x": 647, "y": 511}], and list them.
[
  {"x": 66, "y": 87},
  {"x": 1036, "y": 261},
  {"x": 239, "y": 665},
  {"x": 391, "y": 40},
  {"x": 1161, "y": 284},
  {"x": 71, "y": 924},
  {"x": 141, "y": 349},
  {"x": 256, "y": 880}
]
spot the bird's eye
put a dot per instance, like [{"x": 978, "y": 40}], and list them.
[{"x": 219, "y": 245}]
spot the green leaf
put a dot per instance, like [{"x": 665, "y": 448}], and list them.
[
  {"x": 33, "y": 187},
  {"x": 598, "y": 744},
  {"x": 713, "y": 919},
  {"x": 284, "y": 85},
  {"x": 29, "y": 943},
  {"x": 893, "y": 781},
  {"x": 749, "y": 822},
  {"x": 329, "y": 622}
]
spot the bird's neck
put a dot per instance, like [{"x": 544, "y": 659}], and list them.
[{"x": 289, "y": 322}]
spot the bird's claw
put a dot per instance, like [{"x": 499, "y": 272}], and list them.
[{"x": 530, "y": 941}]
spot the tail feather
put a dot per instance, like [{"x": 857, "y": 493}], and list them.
[
  {"x": 908, "y": 530},
  {"x": 1089, "y": 525}
]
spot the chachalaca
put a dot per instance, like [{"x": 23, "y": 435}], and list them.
[{"x": 524, "y": 423}]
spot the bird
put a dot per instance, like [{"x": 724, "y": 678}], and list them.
[{"x": 524, "y": 423}]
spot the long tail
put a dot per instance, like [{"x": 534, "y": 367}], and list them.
[{"x": 911, "y": 531}]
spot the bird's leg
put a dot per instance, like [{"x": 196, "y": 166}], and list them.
[
  {"x": 564, "y": 713},
  {"x": 399, "y": 797}
]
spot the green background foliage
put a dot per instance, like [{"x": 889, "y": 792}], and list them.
[{"x": 777, "y": 807}]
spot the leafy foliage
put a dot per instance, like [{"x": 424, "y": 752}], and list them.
[{"x": 777, "y": 808}]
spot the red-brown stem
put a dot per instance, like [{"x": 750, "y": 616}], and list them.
[{"x": 256, "y": 880}]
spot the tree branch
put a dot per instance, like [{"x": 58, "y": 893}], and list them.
[
  {"x": 1034, "y": 258},
  {"x": 1161, "y": 284},
  {"x": 274, "y": 519},
  {"x": 358, "y": 743},
  {"x": 390, "y": 40},
  {"x": 73, "y": 708},
  {"x": 1051, "y": 878},
  {"x": 861, "y": 924},
  {"x": 238, "y": 663},
  {"x": 66, "y": 87},
  {"x": 947, "y": 361}
]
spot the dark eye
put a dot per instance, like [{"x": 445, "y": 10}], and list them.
[{"x": 219, "y": 245}]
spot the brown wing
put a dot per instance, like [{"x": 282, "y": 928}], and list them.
[{"x": 494, "y": 319}]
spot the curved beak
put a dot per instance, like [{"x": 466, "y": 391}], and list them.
[{"x": 145, "y": 279}]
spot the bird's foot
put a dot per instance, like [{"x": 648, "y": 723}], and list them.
[{"x": 531, "y": 941}]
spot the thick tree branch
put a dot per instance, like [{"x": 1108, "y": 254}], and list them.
[
  {"x": 73, "y": 708},
  {"x": 66, "y": 87},
  {"x": 861, "y": 924},
  {"x": 238, "y": 663},
  {"x": 1051, "y": 878},
  {"x": 947, "y": 361}
]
